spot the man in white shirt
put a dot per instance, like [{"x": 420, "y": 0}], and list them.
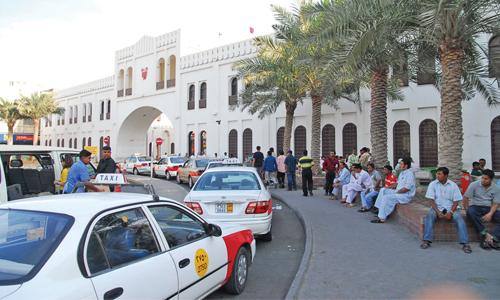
[{"x": 360, "y": 182}]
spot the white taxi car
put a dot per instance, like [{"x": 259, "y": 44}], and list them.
[
  {"x": 233, "y": 195},
  {"x": 167, "y": 167},
  {"x": 110, "y": 245}
]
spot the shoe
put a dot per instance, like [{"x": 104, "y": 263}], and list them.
[
  {"x": 289, "y": 190},
  {"x": 375, "y": 211},
  {"x": 495, "y": 246},
  {"x": 425, "y": 245},
  {"x": 310, "y": 193},
  {"x": 305, "y": 195},
  {"x": 363, "y": 210},
  {"x": 485, "y": 245},
  {"x": 377, "y": 221},
  {"x": 466, "y": 248}
]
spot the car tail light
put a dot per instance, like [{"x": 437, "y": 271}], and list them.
[
  {"x": 172, "y": 168},
  {"x": 195, "y": 206},
  {"x": 259, "y": 207},
  {"x": 145, "y": 164}
]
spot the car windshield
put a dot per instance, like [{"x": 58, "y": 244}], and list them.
[
  {"x": 227, "y": 180},
  {"x": 27, "y": 239},
  {"x": 143, "y": 158},
  {"x": 202, "y": 163},
  {"x": 177, "y": 160}
]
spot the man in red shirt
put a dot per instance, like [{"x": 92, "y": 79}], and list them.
[
  {"x": 390, "y": 182},
  {"x": 330, "y": 166}
]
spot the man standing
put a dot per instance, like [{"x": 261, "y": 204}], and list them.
[
  {"x": 330, "y": 166},
  {"x": 306, "y": 163},
  {"x": 281, "y": 168},
  {"x": 482, "y": 164},
  {"x": 79, "y": 173},
  {"x": 364, "y": 158},
  {"x": 481, "y": 200},
  {"x": 361, "y": 183},
  {"x": 352, "y": 159},
  {"x": 445, "y": 196},
  {"x": 404, "y": 192},
  {"x": 258, "y": 161},
  {"x": 106, "y": 164},
  {"x": 270, "y": 168},
  {"x": 291, "y": 167}
]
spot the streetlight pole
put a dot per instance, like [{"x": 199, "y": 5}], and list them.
[{"x": 218, "y": 138}]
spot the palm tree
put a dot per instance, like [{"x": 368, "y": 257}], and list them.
[
  {"x": 37, "y": 106},
  {"x": 453, "y": 27},
  {"x": 9, "y": 112},
  {"x": 272, "y": 78},
  {"x": 370, "y": 38}
]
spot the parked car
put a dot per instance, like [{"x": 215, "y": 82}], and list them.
[
  {"x": 138, "y": 165},
  {"x": 233, "y": 195},
  {"x": 223, "y": 162},
  {"x": 28, "y": 171},
  {"x": 167, "y": 167},
  {"x": 111, "y": 245},
  {"x": 191, "y": 170}
]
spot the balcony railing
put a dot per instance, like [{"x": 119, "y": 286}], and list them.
[
  {"x": 203, "y": 103},
  {"x": 128, "y": 92},
  {"x": 89, "y": 118},
  {"x": 108, "y": 116},
  {"x": 119, "y": 93},
  {"x": 233, "y": 99},
  {"x": 170, "y": 83},
  {"x": 160, "y": 85},
  {"x": 190, "y": 105}
]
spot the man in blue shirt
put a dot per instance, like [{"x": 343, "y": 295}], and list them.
[
  {"x": 404, "y": 192},
  {"x": 445, "y": 196},
  {"x": 79, "y": 173},
  {"x": 291, "y": 168},
  {"x": 270, "y": 168}
]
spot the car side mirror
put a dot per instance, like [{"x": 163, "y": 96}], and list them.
[{"x": 213, "y": 230}]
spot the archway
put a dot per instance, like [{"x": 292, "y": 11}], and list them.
[
  {"x": 401, "y": 140},
  {"x": 428, "y": 142}
]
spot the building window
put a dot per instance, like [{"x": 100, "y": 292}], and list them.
[
  {"x": 401, "y": 140},
  {"x": 71, "y": 143},
  {"x": 327, "y": 139},
  {"x": 428, "y": 142},
  {"x": 160, "y": 79},
  {"x": 89, "y": 115},
  {"x": 75, "y": 118},
  {"x": 71, "y": 115},
  {"x": 128, "y": 87},
  {"x": 349, "y": 139},
  {"x": 75, "y": 143},
  {"x": 172, "y": 148},
  {"x": 247, "y": 143},
  {"x": 300, "y": 140},
  {"x": 203, "y": 95},
  {"x": 62, "y": 143},
  {"x": 495, "y": 144},
  {"x": 233, "y": 96},
  {"x": 84, "y": 143},
  {"x": 280, "y": 139},
  {"x": 121, "y": 83},
  {"x": 233, "y": 143},
  {"x": 191, "y": 142},
  {"x": 191, "y": 97},
  {"x": 203, "y": 143},
  {"x": 171, "y": 73},
  {"x": 108, "y": 114},
  {"x": 101, "y": 117},
  {"x": 89, "y": 141},
  {"x": 494, "y": 57},
  {"x": 84, "y": 110},
  {"x": 58, "y": 143},
  {"x": 50, "y": 143}
]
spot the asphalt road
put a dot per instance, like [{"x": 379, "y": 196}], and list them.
[{"x": 275, "y": 263}]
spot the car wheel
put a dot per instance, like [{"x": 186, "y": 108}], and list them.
[
  {"x": 267, "y": 237},
  {"x": 190, "y": 182},
  {"x": 136, "y": 172},
  {"x": 167, "y": 176},
  {"x": 179, "y": 181},
  {"x": 238, "y": 280}
]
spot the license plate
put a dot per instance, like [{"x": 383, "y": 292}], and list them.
[{"x": 224, "y": 208}]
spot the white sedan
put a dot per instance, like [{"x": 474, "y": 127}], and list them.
[
  {"x": 233, "y": 195},
  {"x": 110, "y": 245}
]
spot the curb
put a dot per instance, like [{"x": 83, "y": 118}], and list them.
[{"x": 293, "y": 291}]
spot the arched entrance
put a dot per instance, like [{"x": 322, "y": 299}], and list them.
[
  {"x": 300, "y": 140},
  {"x": 280, "y": 139},
  {"x": 247, "y": 143},
  {"x": 349, "y": 139},
  {"x": 233, "y": 143},
  {"x": 401, "y": 140},
  {"x": 428, "y": 140},
  {"x": 327, "y": 139}
]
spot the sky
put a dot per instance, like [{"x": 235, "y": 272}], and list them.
[{"x": 61, "y": 43}]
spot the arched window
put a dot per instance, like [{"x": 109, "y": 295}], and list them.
[
  {"x": 494, "y": 57},
  {"x": 191, "y": 142},
  {"x": 203, "y": 95},
  {"x": 102, "y": 111},
  {"x": 101, "y": 144},
  {"x": 428, "y": 143},
  {"x": 71, "y": 143},
  {"x": 280, "y": 138},
  {"x": 84, "y": 142},
  {"x": 62, "y": 143},
  {"x": 203, "y": 142},
  {"x": 171, "y": 73},
  {"x": 401, "y": 140},
  {"x": 121, "y": 83},
  {"x": 150, "y": 152},
  {"x": 247, "y": 142},
  {"x": 327, "y": 139},
  {"x": 75, "y": 143},
  {"x": 89, "y": 141},
  {"x": 300, "y": 140},
  {"x": 233, "y": 95},
  {"x": 233, "y": 143},
  {"x": 128, "y": 88},
  {"x": 495, "y": 144},
  {"x": 89, "y": 114},
  {"x": 75, "y": 118},
  {"x": 172, "y": 148},
  {"x": 84, "y": 112},
  {"x": 71, "y": 115},
  {"x": 108, "y": 114},
  {"x": 349, "y": 139},
  {"x": 50, "y": 143},
  {"x": 191, "y": 97},
  {"x": 160, "y": 81},
  {"x": 58, "y": 143}
]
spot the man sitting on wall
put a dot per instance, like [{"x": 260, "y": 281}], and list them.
[
  {"x": 360, "y": 182},
  {"x": 341, "y": 180},
  {"x": 403, "y": 194}
]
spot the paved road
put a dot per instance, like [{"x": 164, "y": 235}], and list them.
[{"x": 275, "y": 262}]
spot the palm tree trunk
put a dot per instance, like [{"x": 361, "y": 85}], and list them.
[
  {"x": 10, "y": 134},
  {"x": 450, "y": 137},
  {"x": 378, "y": 117},
  {"x": 36, "y": 125},
  {"x": 317, "y": 100},
  {"x": 290, "y": 111}
]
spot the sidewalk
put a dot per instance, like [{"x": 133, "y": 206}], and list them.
[{"x": 351, "y": 258}]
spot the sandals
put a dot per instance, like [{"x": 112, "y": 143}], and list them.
[
  {"x": 467, "y": 249},
  {"x": 427, "y": 244},
  {"x": 485, "y": 245},
  {"x": 350, "y": 205},
  {"x": 377, "y": 221},
  {"x": 363, "y": 209}
]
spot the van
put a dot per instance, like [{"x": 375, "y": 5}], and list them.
[{"x": 30, "y": 171}]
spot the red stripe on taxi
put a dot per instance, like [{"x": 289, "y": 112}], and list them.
[{"x": 233, "y": 243}]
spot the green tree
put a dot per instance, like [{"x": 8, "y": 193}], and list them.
[
  {"x": 454, "y": 28},
  {"x": 9, "y": 113},
  {"x": 37, "y": 106}
]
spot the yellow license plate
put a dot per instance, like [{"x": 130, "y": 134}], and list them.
[{"x": 224, "y": 208}]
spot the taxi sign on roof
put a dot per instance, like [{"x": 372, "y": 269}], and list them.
[
  {"x": 231, "y": 161},
  {"x": 111, "y": 178}
]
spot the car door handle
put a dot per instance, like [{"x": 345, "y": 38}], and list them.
[
  {"x": 184, "y": 263},
  {"x": 113, "y": 294}
]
